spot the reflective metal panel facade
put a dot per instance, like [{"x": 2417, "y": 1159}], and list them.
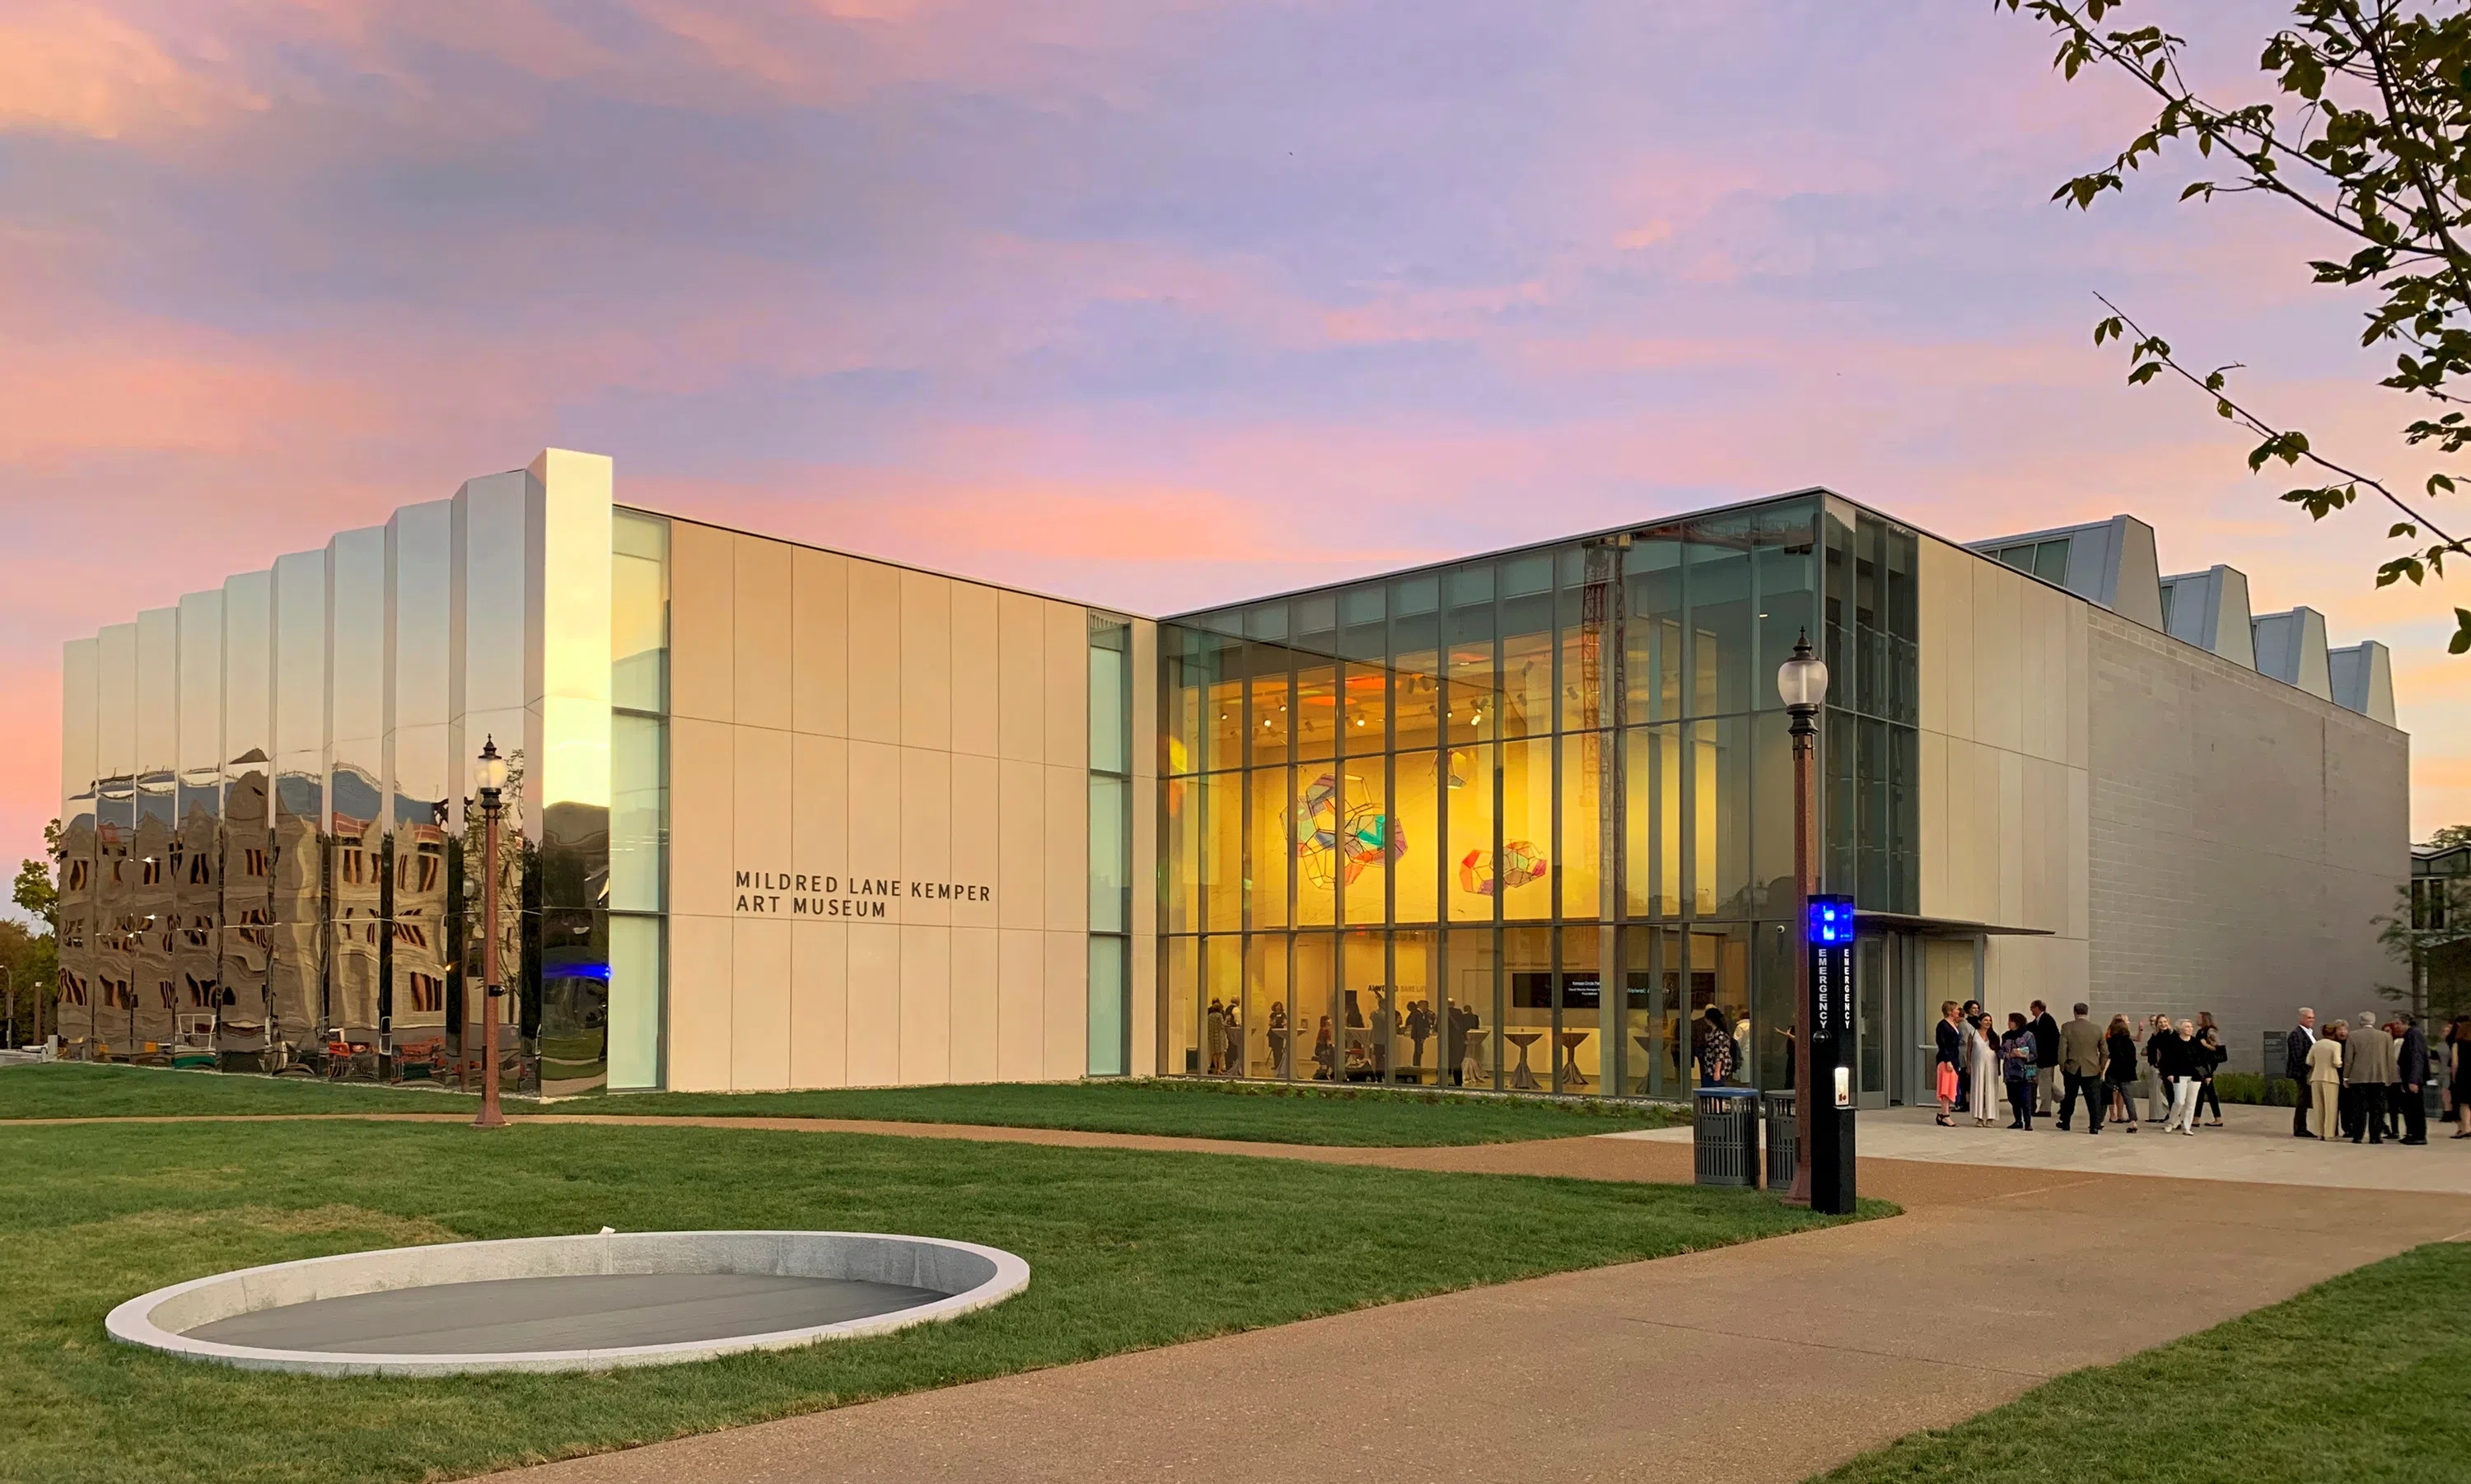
[{"x": 266, "y": 799}]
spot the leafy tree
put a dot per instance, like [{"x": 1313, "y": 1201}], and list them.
[
  {"x": 2431, "y": 937},
  {"x": 35, "y": 890},
  {"x": 2366, "y": 128},
  {"x": 2449, "y": 836}
]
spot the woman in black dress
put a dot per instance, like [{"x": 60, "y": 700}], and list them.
[
  {"x": 2210, "y": 1058},
  {"x": 2120, "y": 1047},
  {"x": 2458, "y": 1050}
]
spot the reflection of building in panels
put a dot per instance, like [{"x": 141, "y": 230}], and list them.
[{"x": 1514, "y": 822}]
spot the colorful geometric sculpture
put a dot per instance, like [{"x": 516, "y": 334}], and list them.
[
  {"x": 1334, "y": 847},
  {"x": 1521, "y": 863}
]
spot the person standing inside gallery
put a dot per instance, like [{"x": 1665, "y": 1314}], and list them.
[
  {"x": 2296, "y": 1048},
  {"x": 1420, "y": 1029},
  {"x": 2326, "y": 1081},
  {"x": 2084, "y": 1061},
  {"x": 2046, "y": 1059},
  {"x": 2411, "y": 1075},
  {"x": 2368, "y": 1066}
]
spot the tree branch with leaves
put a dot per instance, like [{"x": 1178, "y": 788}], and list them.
[{"x": 2369, "y": 134}]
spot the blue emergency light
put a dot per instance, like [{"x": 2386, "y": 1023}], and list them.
[{"x": 1831, "y": 920}]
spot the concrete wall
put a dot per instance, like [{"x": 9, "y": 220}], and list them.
[
  {"x": 837, "y": 724},
  {"x": 2005, "y": 766},
  {"x": 2245, "y": 835}
]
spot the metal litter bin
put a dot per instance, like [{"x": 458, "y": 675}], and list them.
[
  {"x": 1725, "y": 1136},
  {"x": 1784, "y": 1143}
]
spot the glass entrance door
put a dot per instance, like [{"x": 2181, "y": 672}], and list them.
[{"x": 1882, "y": 1002}]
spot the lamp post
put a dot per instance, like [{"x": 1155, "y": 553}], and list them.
[
  {"x": 1801, "y": 682},
  {"x": 489, "y": 777}
]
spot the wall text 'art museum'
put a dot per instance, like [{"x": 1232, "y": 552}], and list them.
[{"x": 786, "y": 818}]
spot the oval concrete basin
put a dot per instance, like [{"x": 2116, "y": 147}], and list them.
[{"x": 567, "y": 1303}]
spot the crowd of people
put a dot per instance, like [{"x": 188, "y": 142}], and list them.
[{"x": 2366, "y": 1082}]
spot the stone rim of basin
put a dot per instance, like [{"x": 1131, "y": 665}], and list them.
[{"x": 970, "y": 1276}]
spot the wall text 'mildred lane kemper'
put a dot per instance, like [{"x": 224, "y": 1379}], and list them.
[{"x": 799, "y": 894}]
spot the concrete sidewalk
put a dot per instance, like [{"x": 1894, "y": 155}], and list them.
[
  {"x": 1763, "y": 1363},
  {"x": 2255, "y": 1145}
]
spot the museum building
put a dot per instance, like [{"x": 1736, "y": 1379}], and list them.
[{"x": 786, "y": 818}]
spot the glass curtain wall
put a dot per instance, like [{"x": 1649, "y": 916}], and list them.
[
  {"x": 639, "y": 797},
  {"x": 1111, "y": 847},
  {"x": 1515, "y": 824}
]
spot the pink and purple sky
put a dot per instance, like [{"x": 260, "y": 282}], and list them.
[{"x": 1149, "y": 303}]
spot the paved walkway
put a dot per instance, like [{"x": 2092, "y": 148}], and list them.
[
  {"x": 2255, "y": 1145},
  {"x": 1764, "y": 1362}
]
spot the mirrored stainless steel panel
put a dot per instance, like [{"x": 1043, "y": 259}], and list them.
[
  {"x": 356, "y": 868},
  {"x": 151, "y": 903},
  {"x": 80, "y": 677},
  {"x": 297, "y": 943},
  {"x": 247, "y": 834},
  {"x": 420, "y": 550},
  {"x": 489, "y": 695},
  {"x": 197, "y": 844}
]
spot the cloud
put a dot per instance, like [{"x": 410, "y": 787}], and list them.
[{"x": 1155, "y": 305}]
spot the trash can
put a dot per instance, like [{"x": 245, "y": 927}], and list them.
[
  {"x": 1784, "y": 1143},
  {"x": 1725, "y": 1136}
]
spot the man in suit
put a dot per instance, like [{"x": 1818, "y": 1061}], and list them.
[
  {"x": 2046, "y": 1058},
  {"x": 2083, "y": 1060},
  {"x": 2294, "y": 1065},
  {"x": 2368, "y": 1066},
  {"x": 2411, "y": 1073}
]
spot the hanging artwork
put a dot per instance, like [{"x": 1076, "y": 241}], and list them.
[
  {"x": 1334, "y": 847},
  {"x": 1521, "y": 863}
]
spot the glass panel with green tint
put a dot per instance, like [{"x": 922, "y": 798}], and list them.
[
  {"x": 1268, "y": 1005},
  {"x": 1652, "y": 784},
  {"x": 1222, "y": 973},
  {"x": 1652, "y": 628},
  {"x": 1415, "y": 840},
  {"x": 1527, "y": 700},
  {"x": 1469, "y": 882},
  {"x": 1181, "y": 973},
  {"x": 1527, "y": 1009},
  {"x": 1584, "y": 870},
  {"x": 637, "y": 980},
  {"x": 1416, "y": 970},
  {"x": 1316, "y": 712},
  {"x": 1271, "y": 723},
  {"x": 1269, "y": 852},
  {"x": 1472, "y": 1043},
  {"x": 639, "y": 813},
  {"x": 1369, "y": 1005},
  {"x": 1521, "y": 870},
  {"x": 1110, "y": 996},
  {"x": 1361, "y": 857},
  {"x": 1110, "y": 869},
  {"x": 1313, "y": 977},
  {"x": 1222, "y": 853},
  {"x": 639, "y": 612}
]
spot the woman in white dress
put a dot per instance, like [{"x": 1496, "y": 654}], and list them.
[{"x": 1982, "y": 1062}]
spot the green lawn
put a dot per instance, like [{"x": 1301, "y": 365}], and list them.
[
  {"x": 1127, "y": 1249},
  {"x": 2366, "y": 1377},
  {"x": 1333, "y": 1116}
]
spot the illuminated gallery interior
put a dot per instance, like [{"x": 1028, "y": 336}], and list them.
[{"x": 786, "y": 818}]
